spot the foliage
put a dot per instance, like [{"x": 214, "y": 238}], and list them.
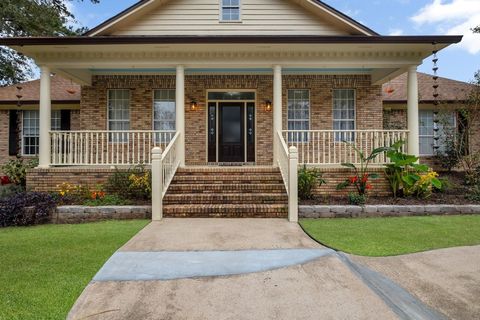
[
  {"x": 423, "y": 187},
  {"x": 473, "y": 193},
  {"x": 403, "y": 171},
  {"x": 308, "y": 179},
  {"x": 394, "y": 236},
  {"x": 26, "y": 208},
  {"x": 4, "y": 180},
  {"x": 31, "y": 18},
  {"x": 72, "y": 194},
  {"x": 361, "y": 179},
  {"x": 457, "y": 138},
  {"x": 16, "y": 170},
  {"x": 133, "y": 183},
  {"x": 106, "y": 200},
  {"x": 9, "y": 190},
  {"x": 357, "y": 199},
  {"x": 44, "y": 269}
]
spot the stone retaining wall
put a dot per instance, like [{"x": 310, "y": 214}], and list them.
[
  {"x": 80, "y": 214},
  {"x": 324, "y": 211}
]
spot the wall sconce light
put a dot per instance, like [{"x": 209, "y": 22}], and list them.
[
  {"x": 268, "y": 106},
  {"x": 193, "y": 105}
]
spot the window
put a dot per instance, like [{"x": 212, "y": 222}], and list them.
[
  {"x": 230, "y": 10},
  {"x": 298, "y": 114},
  {"x": 31, "y": 130},
  {"x": 118, "y": 113},
  {"x": 164, "y": 110},
  {"x": 344, "y": 113},
  {"x": 446, "y": 122}
]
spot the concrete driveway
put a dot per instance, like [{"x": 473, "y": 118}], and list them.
[
  {"x": 323, "y": 287},
  {"x": 270, "y": 269}
]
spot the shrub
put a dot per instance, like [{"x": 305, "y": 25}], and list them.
[
  {"x": 308, "y": 179},
  {"x": 424, "y": 186},
  {"x": 473, "y": 194},
  {"x": 133, "y": 183},
  {"x": 9, "y": 190},
  {"x": 26, "y": 208},
  {"x": 361, "y": 178},
  {"x": 107, "y": 200},
  {"x": 357, "y": 199},
  {"x": 72, "y": 194},
  {"x": 16, "y": 170}
]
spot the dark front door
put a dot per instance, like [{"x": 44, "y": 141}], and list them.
[{"x": 231, "y": 127}]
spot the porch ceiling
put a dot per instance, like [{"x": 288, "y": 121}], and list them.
[{"x": 78, "y": 58}]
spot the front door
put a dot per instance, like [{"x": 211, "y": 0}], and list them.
[{"x": 231, "y": 135}]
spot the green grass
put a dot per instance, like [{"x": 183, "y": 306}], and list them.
[
  {"x": 44, "y": 269},
  {"x": 394, "y": 236}
]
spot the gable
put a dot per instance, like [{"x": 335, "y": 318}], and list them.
[{"x": 201, "y": 17}]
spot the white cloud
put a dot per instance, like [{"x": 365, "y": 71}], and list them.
[
  {"x": 453, "y": 17},
  {"x": 396, "y": 32}
]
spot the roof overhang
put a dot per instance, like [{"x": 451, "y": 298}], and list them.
[{"x": 77, "y": 58}]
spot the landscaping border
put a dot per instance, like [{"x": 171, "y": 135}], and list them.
[
  {"x": 80, "y": 214},
  {"x": 326, "y": 211}
]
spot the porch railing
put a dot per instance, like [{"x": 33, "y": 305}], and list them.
[
  {"x": 86, "y": 148},
  {"x": 164, "y": 166},
  {"x": 327, "y": 147},
  {"x": 288, "y": 164}
]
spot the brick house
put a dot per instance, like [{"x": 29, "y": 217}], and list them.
[{"x": 224, "y": 87}]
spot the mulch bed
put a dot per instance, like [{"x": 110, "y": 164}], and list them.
[{"x": 455, "y": 194}]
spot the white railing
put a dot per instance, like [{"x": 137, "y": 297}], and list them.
[
  {"x": 327, "y": 147},
  {"x": 287, "y": 160},
  {"x": 93, "y": 148},
  {"x": 164, "y": 166}
]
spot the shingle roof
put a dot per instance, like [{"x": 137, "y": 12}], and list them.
[
  {"x": 449, "y": 90},
  {"x": 31, "y": 91}
]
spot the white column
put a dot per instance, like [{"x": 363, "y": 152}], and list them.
[
  {"x": 180, "y": 113},
  {"x": 412, "y": 112},
  {"x": 157, "y": 184},
  {"x": 277, "y": 110},
  {"x": 45, "y": 118},
  {"x": 292, "y": 184}
]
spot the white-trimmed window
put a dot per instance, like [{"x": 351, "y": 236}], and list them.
[
  {"x": 31, "y": 129},
  {"x": 164, "y": 110},
  {"x": 230, "y": 11},
  {"x": 298, "y": 114},
  {"x": 118, "y": 113},
  {"x": 447, "y": 121},
  {"x": 344, "y": 113}
]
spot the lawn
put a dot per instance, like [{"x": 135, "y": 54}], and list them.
[
  {"x": 394, "y": 236},
  {"x": 44, "y": 269}
]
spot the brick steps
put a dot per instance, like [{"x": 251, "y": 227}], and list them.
[
  {"x": 227, "y": 188},
  {"x": 226, "y": 211},
  {"x": 227, "y": 192},
  {"x": 230, "y": 198}
]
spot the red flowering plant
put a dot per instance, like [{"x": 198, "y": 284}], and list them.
[
  {"x": 361, "y": 176},
  {"x": 4, "y": 180}
]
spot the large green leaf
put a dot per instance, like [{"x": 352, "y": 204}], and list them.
[
  {"x": 410, "y": 179},
  {"x": 437, "y": 183},
  {"x": 349, "y": 165},
  {"x": 374, "y": 176}
]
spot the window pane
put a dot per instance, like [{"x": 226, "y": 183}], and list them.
[
  {"x": 118, "y": 113},
  {"x": 298, "y": 113}
]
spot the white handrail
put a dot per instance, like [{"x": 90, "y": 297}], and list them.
[
  {"x": 328, "y": 147},
  {"x": 288, "y": 164},
  {"x": 106, "y": 147},
  {"x": 170, "y": 163},
  {"x": 283, "y": 159}
]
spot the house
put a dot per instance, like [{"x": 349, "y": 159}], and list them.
[{"x": 223, "y": 82}]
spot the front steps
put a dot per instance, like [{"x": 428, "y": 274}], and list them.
[{"x": 226, "y": 192}]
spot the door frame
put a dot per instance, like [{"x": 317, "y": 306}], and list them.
[{"x": 217, "y": 102}]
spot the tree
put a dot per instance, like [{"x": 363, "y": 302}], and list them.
[
  {"x": 31, "y": 18},
  {"x": 476, "y": 29}
]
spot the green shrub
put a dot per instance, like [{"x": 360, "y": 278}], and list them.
[
  {"x": 473, "y": 193},
  {"x": 26, "y": 208},
  {"x": 357, "y": 199},
  {"x": 108, "y": 200},
  {"x": 9, "y": 190},
  {"x": 133, "y": 183},
  {"x": 16, "y": 170},
  {"x": 308, "y": 179}
]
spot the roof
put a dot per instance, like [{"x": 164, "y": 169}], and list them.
[
  {"x": 31, "y": 91},
  {"x": 107, "y": 40},
  {"x": 143, "y": 4},
  {"x": 449, "y": 90}
]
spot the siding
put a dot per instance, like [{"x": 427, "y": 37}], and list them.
[{"x": 201, "y": 17}]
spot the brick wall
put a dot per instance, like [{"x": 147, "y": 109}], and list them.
[{"x": 94, "y": 104}]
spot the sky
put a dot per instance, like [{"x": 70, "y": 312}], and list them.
[{"x": 387, "y": 17}]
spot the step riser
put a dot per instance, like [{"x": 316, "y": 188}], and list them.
[
  {"x": 224, "y": 215},
  {"x": 226, "y": 181}
]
